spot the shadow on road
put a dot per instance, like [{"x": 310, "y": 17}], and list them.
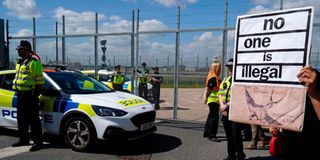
[
  {"x": 154, "y": 143},
  {"x": 263, "y": 158},
  {"x": 171, "y": 108}
]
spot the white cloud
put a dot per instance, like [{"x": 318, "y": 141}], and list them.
[
  {"x": 23, "y": 9},
  {"x": 258, "y": 9},
  {"x": 171, "y": 3},
  {"x": 77, "y": 23},
  {"x": 23, "y": 32},
  {"x": 153, "y": 24},
  {"x": 272, "y": 5}
]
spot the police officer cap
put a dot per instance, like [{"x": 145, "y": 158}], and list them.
[
  {"x": 144, "y": 64},
  {"x": 24, "y": 44},
  {"x": 230, "y": 63},
  {"x": 117, "y": 66}
]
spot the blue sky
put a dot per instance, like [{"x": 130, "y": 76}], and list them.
[{"x": 115, "y": 16}]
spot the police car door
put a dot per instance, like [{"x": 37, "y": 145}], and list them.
[
  {"x": 50, "y": 101},
  {"x": 8, "y": 102}
]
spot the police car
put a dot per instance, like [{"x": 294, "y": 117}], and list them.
[{"x": 81, "y": 109}]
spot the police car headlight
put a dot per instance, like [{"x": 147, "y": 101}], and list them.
[{"x": 105, "y": 111}]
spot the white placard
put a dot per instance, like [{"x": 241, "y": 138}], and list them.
[{"x": 271, "y": 39}]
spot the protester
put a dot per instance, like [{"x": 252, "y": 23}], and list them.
[
  {"x": 211, "y": 98},
  {"x": 232, "y": 129},
  {"x": 156, "y": 80},
  {"x": 257, "y": 134},
  {"x": 246, "y": 130},
  {"x": 305, "y": 144},
  {"x": 28, "y": 82}
]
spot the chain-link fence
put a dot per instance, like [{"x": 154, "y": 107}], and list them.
[{"x": 181, "y": 42}]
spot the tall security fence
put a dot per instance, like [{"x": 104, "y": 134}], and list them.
[{"x": 177, "y": 40}]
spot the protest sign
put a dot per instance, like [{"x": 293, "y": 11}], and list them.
[{"x": 270, "y": 50}]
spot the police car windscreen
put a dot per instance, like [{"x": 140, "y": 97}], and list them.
[{"x": 76, "y": 83}]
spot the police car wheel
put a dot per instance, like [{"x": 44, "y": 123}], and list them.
[{"x": 78, "y": 133}]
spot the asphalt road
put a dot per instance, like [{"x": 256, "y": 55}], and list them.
[{"x": 174, "y": 140}]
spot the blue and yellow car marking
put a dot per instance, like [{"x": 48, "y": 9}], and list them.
[
  {"x": 131, "y": 102},
  {"x": 8, "y": 99},
  {"x": 88, "y": 109},
  {"x": 52, "y": 105}
]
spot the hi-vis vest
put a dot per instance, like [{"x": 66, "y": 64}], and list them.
[
  {"x": 28, "y": 75},
  {"x": 224, "y": 87},
  {"x": 118, "y": 79},
  {"x": 213, "y": 96},
  {"x": 142, "y": 77}
]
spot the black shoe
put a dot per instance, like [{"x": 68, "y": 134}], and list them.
[
  {"x": 157, "y": 107},
  {"x": 241, "y": 156},
  {"x": 230, "y": 158},
  {"x": 214, "y": 139},
  {"x": 20, "y": 143},
  {"x": 36, "y": 147}
]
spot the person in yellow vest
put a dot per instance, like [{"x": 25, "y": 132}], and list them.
[
  {"x": 211, "y": 98},
  {"x": 142, "y": 79},
  {"x": 232, "y": 129},
  {"x": 117, "y": 79},
  {"x": 28, "y": 83}
]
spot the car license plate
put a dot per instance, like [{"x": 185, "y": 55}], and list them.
[{"x": 146, "y": 126}]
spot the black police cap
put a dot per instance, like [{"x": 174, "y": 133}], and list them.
[{"x": 24, "y": 44}]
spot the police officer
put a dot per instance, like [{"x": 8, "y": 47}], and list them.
[
  {"x": 27, "y": 83},
  {"x": 156, "y": 80},
  {"x": 232, "y": 129},
  {"x": 142, "y": 74},
  {"x": 117, "y": 79}
]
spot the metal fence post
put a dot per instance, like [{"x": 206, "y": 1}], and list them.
[
  {"x": 57, "y": 59},
  {"x": 34, "y": 47},
  {"x": 225, "y": 39},
  {"x": 8, "y": 43},
  {"x": 96, "y": 48},
  {"x": 132, "y": 56},
  {"x": 63, "y": 41},
  {"x": 137, "y": 52},
  {"x": 176, "y": 71}
]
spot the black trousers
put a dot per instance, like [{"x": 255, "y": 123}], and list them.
[
  {"x": 117, "y": 87},
  {"x": 143, "y": 90},
  {"x": 156, "y": 94},
  {"x": 211, "y": 127},
  {"x": 234, "y": 138},
  {"x": 28, "y": 116}
]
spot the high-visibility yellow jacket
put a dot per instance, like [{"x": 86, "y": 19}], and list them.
[
  {"x": 142, "y": 75},
  {"x": 118, "y": 79},
  {"x": 225, "y": 90},
  {"x": 213, "y": 95},
  {"x": 28, "y": 75}
]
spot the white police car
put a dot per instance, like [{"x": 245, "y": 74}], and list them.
[{"x": 81, "y": 109}]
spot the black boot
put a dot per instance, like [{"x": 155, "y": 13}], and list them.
[{"x": 20, "y": 143}]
